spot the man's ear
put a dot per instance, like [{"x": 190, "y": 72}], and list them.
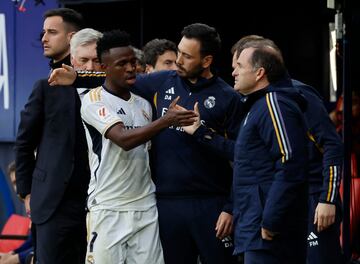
[
  {"x": 72, "y": 59},
  {"x": 70, "y": 35},
  {"x": 260, "y": 73},
  {"x": 207, "y": 60}
]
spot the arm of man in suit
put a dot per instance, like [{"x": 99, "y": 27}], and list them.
[{"x": 27, "y": 140}]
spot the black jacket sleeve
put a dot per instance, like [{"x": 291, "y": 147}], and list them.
[
  {"x": 223, "y": 145},
  {"x": 28, "y": 137},
  {"x": 89, "y": 79},
  {"x": 328, "y": 145}
]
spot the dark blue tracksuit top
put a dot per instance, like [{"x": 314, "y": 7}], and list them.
[
  {"x": 326, "y": 148},
  {"x": 184, "y": 165},
  {"x": 270, "y": 168},
  {"x": 198, "y": 165}
]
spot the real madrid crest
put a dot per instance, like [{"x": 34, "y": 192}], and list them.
[{"x": 209, "y": 102}]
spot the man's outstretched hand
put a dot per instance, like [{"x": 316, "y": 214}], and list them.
[
  {"x": 62, "y": 76},
  {"x": 193, "y": 127},
  {"x": 179, "y": 116}
]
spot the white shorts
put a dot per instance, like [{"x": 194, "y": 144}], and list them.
[{"x": 118, "y": 237}]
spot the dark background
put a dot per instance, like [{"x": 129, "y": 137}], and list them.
[{"x": 300, "y": 28}]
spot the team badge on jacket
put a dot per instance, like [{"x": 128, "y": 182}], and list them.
[
  {"x": 209, "y": 102},
  {"x": 102, "y": 112}
]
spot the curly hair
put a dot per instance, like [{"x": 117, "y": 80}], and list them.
[{"x": 112, "y": 39}]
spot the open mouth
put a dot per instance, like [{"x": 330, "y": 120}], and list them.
[{"x": 131, "y": 80}]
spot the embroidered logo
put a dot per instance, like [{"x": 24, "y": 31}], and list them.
[
  {"x": 102, "y": 112},
  {"x": 227, "y": 242},
  {"x": 170, "y": 91},
  {"x": 209, "y": 102},
  {"x": 312, "y": 239}
]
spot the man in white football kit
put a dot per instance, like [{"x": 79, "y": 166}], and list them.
[{"x": 122, "y": 219}]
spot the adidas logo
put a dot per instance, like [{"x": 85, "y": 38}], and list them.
[
  {"x": 170, "y": 91},
  {"x": 312, "y": 236},
  {"x": 227, "y": 242},
  {"x": 121, "y": 112},
  {"x": 312, "y": 239}
]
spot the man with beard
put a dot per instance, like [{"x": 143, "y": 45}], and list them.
[
  {"x": 122, "y": 217},
  {"x": 192, "y": 174}
]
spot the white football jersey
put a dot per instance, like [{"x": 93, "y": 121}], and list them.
[{"x": 120, "y": 180}]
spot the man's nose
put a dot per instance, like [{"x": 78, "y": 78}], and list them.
[{"x": 90, "y": 66}]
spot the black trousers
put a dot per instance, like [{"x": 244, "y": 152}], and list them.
[
  {"x": 187, "y": 231},
  {"x": 286, "y": 248},
  {"x": 324, "y": 247},
  {"x": 62, "y": 239}
]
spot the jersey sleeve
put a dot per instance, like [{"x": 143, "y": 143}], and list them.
[
  {"x": 149, "y": 111},
  {"x": 97, "y": 114}
]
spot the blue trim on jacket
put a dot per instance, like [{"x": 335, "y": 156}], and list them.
[{"x": 270, "y": 168}]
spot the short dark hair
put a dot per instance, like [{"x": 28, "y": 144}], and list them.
[
  {"x": 269, "y": 58},
  {"x": 71, "y": 17},
  {"x": 112, "y": 39},
  {"x": 210, "y": 42},
  {"x": 156, "y": 47}
]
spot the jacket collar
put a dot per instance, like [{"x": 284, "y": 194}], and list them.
[
  {"x": 55, "y": 65},
  {"x": 201, "y": 82}
]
